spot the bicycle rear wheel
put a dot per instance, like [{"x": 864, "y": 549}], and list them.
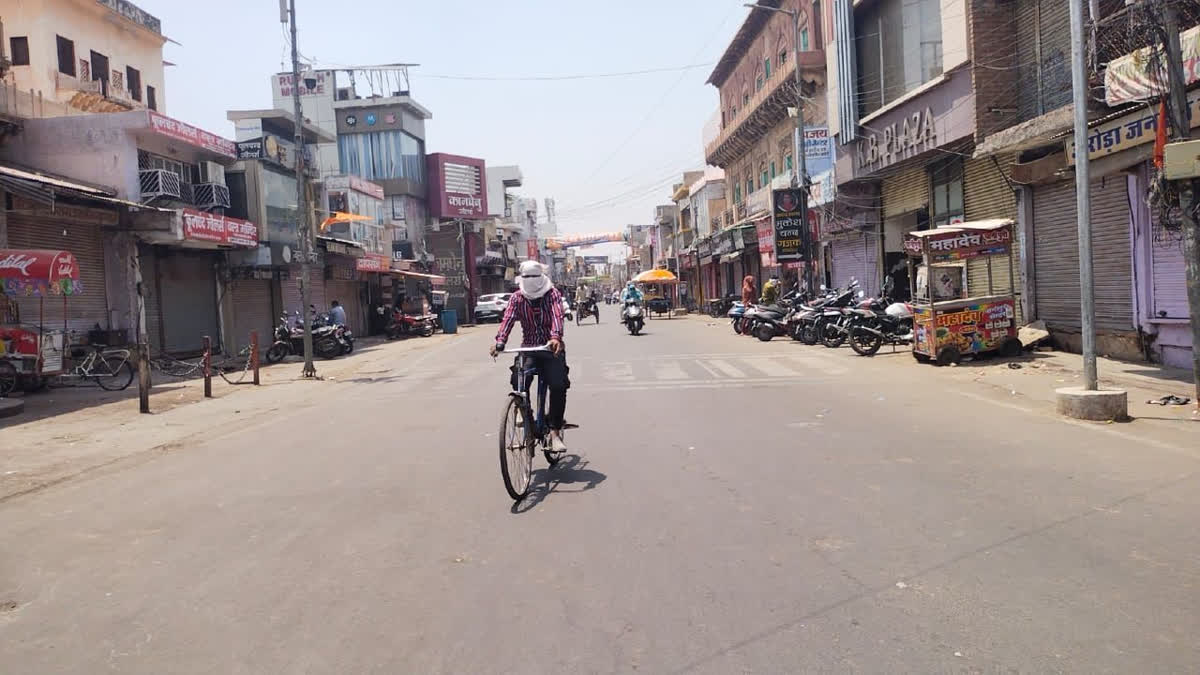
[
  {"x": 516, "y": 448},
  {"x": 117, "y": 376}
]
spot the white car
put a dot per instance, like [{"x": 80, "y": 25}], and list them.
[{"x": 491, "y": 307}]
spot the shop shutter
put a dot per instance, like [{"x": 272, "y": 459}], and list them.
[
  {"x": 82, "y": 312},
  {"x": 148, "y": 262},
  {"x": 252, "y": 310},
  {"x": 1056, "y": 255},
  {"x": 290, "y": 294},
  {"x": 1170, "y": 275},
  {"x": 987, "y": 195},
  {"x": 188, "y": 299},
  {"x": 905, "y": 192},
  {"x": 855, "y": 257},
  {"x": 349, "y": 294}
]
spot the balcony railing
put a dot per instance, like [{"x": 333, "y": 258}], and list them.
[{"x": 765, "y": 108}]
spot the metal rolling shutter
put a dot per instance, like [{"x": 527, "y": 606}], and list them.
[
  {"x": 1170, "y": 274},
  {"x": 987, "y": 195},
  {"x": 82, "y": 312},
  {"x": 349, "y": 294},
  {"x": 855, "y": 257},
  {"x": 252, "y": 310},
  {"x": 905, "y": 192},
  {"x": 188, "y": 300},
  {"x": 149, "y": 265},
  {"x": 1056, "y": 247},
  {"x": 290, "y": 291}
]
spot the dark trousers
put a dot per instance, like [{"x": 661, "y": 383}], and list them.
[{"x": 554, "y": 371}]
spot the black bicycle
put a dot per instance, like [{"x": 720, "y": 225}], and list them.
[{"x": 522, "y": 429}]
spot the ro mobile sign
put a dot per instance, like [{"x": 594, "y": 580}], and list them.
[{"x": 788, "y": 219}]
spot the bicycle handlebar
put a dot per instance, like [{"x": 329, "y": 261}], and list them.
[{"x": 518, "y": 350}]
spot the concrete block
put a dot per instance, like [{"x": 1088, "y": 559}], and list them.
[{"x": 1100, "y": 406}]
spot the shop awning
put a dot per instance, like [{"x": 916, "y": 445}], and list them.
[
  {"x": 433, "y": 279},
  {"x": 342, "y": 246},
  {"x": 36, "y": 271},
  {"x": 45, "y": 189},
  {"x": 751, "y": 219},
  {"x": 730, "y": 257}
]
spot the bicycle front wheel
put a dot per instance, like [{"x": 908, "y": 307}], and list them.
[
  {"x": 516, "y": 448},
  {"x": 117, "y": 375}
]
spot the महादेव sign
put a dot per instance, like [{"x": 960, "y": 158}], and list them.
[
  {"x": 210, "y": 227},
  {"x": 1129, "y": 131},
  {"x": 788, "y": 221},
  {"x": 957, "y": 244},
  {"x": 173, "y": 128},
  {"x": 971, "y": 330},
  {"x": 897, "y": 141}
]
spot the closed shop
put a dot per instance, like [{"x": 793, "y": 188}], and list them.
[
  {"x": 854, "y": 256},
  {"x": 987, "y": 195},
  {"x": 1170, "y": 275},
  {"x": 316, "y": 290},
  {"x": 905, "y": 192},
  {"x": 81, "y": 312},
  {"x": 252, "y": 310},
  {"x": 186, "y": 285},
  {"x": 1056, "y": 255},
  {"x": 349, "y": 294}
]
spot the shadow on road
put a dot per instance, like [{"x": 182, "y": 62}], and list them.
[{"x": 570, "y": 470}]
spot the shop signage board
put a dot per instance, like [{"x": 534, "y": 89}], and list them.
[
  {"x": 1128, "y": 78},
  {"x": 173, "y": 128},
  {"x": 352, "y": 182},
  {"x": 705, "y": 248},
  {"x": 898, "y": 141},
  {"x": 788, "y": 222},
  {"x": 724, "y": 244},
  {"x": 373, "y": 262},
  {"x": 1129, "y": 131},
  {"x": 457, "y": 186},
  {"x": 972, "y": 329},
  {"x": 766, "y": 243},
  {"x": 961, "y": 244},
  {"x": 818, "y": 150},
  {"x": 217, "y": 229},
  {"x": 531, "y": 249}
]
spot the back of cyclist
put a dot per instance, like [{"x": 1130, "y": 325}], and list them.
[{"x": 538, "y": 305}]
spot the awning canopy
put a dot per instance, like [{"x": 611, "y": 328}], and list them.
[
  {"x": 46, "y": 189},
  {"x": 656, "y": 276},
  {"x": 35, "y": 271},
  {"x": 433, "y": 279},
  {"x": 730, "y": 257}
]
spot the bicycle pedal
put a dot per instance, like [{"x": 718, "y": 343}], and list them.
[{"x": 568, "y": 425}]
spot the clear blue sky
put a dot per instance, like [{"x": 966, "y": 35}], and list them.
[{"x": 567, "y": 136}]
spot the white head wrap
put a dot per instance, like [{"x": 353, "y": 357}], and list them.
[{"x": 533, "y": 281}]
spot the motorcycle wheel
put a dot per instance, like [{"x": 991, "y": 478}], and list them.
[
  {"x": 327, "y": 348},
  {"x": 348, "y": 347},
  {"x": 765, "y": 332},
  {"x": 426, "y": 331},
  {"x": 865, "y": 343},
  {"x": 276, "y": 352},
  {"x": 808, "y": 333},
  {"x": 737, "y": 326},
  {"x": 830, "y": 338}
]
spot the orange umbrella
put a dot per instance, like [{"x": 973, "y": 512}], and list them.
[{"x": 656, "y": 277}]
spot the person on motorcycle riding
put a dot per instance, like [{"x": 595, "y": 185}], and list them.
[
  {"x": 539, "y": 307},
  {"x": 631, "y": 293}
]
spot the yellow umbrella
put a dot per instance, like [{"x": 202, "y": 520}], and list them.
[
  {"x": 339, "y": 217},
  {"x": 656, "y": 277}
]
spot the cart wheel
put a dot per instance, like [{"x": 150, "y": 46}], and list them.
[
  {"x": 921, "y": 358},
  {"x": 1011, "y": 347},
  {"x": 948, "y": 355},
  {"x": 8, "y": 378}
]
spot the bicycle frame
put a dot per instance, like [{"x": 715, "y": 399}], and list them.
[
  {"x": 526, "y": 371},
  {"x": 83, "y": 369}
]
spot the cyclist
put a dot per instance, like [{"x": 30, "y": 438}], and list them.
[{"x": 538, "y": 305}]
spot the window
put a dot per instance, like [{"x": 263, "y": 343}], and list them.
[
  {"x": 133, "y": 80},
  {"x": 236, "y": 182},
  {"x": 767, "y": 68},
  {"x": 762, "y": 176},
  {"x": 803, "y": 39},
  {"x": 151, "y": 100},
  {"x": 946, "y": 177},
  {"x": 749, "y": 185},
  {"x": 787, "y": 163},
  {"x": 899, "y": 49},
  {"x": 66, "y": 56},
  {"x": 772, "y": 169},
  {"x": 382, "y": 154},
  {"x": 99, "y": 67},
  {"x": 816, "y": 12},
  {"x": 782, "y": 57},
  {"x": 758, "y": 83},
  {"x": 737, "y": 194},
  {"x": 19, "y": 48},
  {"x": 745, "y": 100}
]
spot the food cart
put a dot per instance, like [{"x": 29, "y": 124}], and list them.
[
  {"x": 950, "y": 319},
  {"x": 29, "y": 354},
  {"x": 658, "y": 283}
]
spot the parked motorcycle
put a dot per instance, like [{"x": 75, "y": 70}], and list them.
[
  {"x": 769, "y": 321},
  {"x": 736, "y": 314},
  {"x": 633, "y": 317},
  {"x": 328, "y": 341},
  {"x": 403, "y": 325},
  {"x": 892, "y": 324},
  {"x": 813, "y": 321}
]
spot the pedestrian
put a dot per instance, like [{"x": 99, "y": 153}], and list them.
[
  {"x": 337, "y": 315},
  {"x": 749, "y": 290}
]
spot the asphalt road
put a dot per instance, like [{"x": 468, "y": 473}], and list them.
[{"x": 728, "y": 507}]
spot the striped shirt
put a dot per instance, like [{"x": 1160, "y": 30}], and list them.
[{"x": 541, "y": 319}]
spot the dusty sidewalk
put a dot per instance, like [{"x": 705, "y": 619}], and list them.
[{"x": 67, "y": 432}]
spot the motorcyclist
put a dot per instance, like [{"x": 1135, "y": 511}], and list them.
[
  {"x": 770, "y": 291},
  {"x": 538, "y": 305},
  {"x": 631, "y": 293}
]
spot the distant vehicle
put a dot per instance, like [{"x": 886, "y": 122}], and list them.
[{"x": 491, "y": 307}]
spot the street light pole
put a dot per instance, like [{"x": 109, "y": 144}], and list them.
[
  {"x": 800, "y": 169},
  {"x": 1083, "y": 208},
  {"x": 304, "y": 232}
]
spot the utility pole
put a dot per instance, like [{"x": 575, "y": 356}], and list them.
[
  {"x": 304, "y": 230},
  {"x": 1083, "y": 197},
  {"x": 1177, "y": 99}
]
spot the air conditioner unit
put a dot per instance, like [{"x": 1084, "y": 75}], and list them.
[
  {"x": 159, "y": 184},
  {"x": 210, "y": 196},
  {"x": 212, "y": 172}
]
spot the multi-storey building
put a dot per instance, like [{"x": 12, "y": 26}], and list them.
[{"x": 755, "y": 139}]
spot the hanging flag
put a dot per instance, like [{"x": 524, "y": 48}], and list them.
[
  {"x": 339, "y": 217},
  {"x": 1160, "y": 135}
]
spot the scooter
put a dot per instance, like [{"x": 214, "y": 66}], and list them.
[
  {"x": 632, "y": 317},
  {"x": 769, "y": 321},
  {"x": 736, "y": 315}
]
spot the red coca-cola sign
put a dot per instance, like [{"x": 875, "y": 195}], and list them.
[{"x": 38, "y": 265}]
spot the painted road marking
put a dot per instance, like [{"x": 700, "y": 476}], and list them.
[{"x": 726, "y": 368}]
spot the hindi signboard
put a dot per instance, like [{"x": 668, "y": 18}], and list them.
[
  {"x": 217, "y": 229},
  {"x": 788, "y": 221}
]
